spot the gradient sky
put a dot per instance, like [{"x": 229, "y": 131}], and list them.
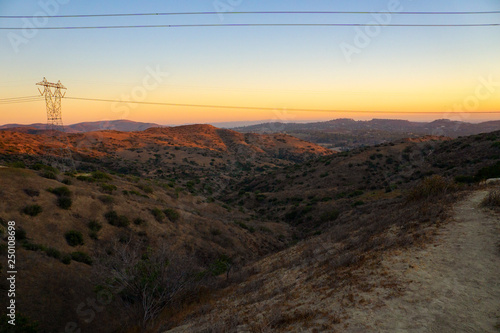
[{"x": 403, "y": 69}]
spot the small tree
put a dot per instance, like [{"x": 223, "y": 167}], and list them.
[{"x": 149, "y": 278}]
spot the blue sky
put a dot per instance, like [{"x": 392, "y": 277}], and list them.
[{"x": 402, "y": 69}]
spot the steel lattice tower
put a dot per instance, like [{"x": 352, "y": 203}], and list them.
[{"x": 59, "y": 152}]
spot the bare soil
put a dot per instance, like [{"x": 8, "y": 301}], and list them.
[{"x": 451, "y": 285}]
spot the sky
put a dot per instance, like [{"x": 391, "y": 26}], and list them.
[{"x": 452, "y": 72}]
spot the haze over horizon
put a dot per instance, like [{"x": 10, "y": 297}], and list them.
[{"x": 398, "y": 69}]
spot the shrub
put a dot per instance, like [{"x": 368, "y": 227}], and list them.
[
  {"x": 330, "y": 216},
  {"x": 63, "y": 196},
  {"x": 64, "y": 202},
  {"x": 60, "y": 191},
  {"x": 492, "y": 171},
  {"x": 94, "y": 225},
  {"x": 358, "y": 203},
  {"x": 172, "y": 214},
  {"x": 220, "y": 266},
  {"x": 31, "y": 246},
  {"x": 492, "y": 199},
  {"x": 139, "y": 221},
  {"x": 85, "y": 178},
  {"x": 74, "y": 238},
  {"x": 66, "y": 181},
  {"x": 20, "y": 234},
  {"x": 106, "y": 199},
  {"x": 66, "y": 259},
  {"x": 158, "y": 214},
  {"x": 431, "y": 187},
  {"x": 17, "y": 164},
  {"x": 81, "y": 257},
  {"x": 54, "y": 253},
  {"x": 48, "y": 174},
  {"x": 108, "y": 188},
  {"x": 32, "y": 210},
  {"x": 99, "y": 175},
  {"x": 145, "y": 188},
  {"x": 116, "y": 220}
]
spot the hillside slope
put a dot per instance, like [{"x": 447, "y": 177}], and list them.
[{"x": 449, "y": 285}]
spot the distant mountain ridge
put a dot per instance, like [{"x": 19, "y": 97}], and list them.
[
  {"x": 443, "y": 127},
  {"x": 116, "y": 125},
  {"x": 346, "y": 134}
]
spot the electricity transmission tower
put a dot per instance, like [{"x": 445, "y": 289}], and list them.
[{"x": 57, "y": 151}]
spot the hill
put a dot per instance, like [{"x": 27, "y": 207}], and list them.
[
  {"x": 349, "y": 211},
  {"x": 235, "y": 229},
  {"x": 116, "y": 125},
  {"x": 348, "y": 133}
]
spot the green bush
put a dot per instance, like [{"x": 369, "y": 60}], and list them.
[
  {"x": 139, "y": 221},
  {"x": 116, "y": 220},
  {"x": 220, "y": 266},
  {"x": 81, "y": 257},
  {"x": 146, "y": 188},
  {"x": 172, "y": 214},
  {"x": 158, "y": 214},
  {"x": 60, "y": 191},
  {"x": 66, "y": 259},
  {"x": 74, "y": 238},
  {"x": 106, "y": 199},
  {"x": 17, "y": 164},
  {"x": 64, "y": 202},
  {"x": 85, "y": 179},
  {"x": 94, "y": 225},
  {"x": 492, "y": 171},
  {"x": 54, "y": 253},
  {"x": 31, "y": 246},
  {"x": 20, "y": 234},
  {"x": 32, "y": 210},
  {"x": 99, "y": 175},
  {"x": 48, "y": 174},
  {"x": 108, "y": 188}
]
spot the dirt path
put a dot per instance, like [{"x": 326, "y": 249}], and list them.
[{"x": 453, "y": 285}]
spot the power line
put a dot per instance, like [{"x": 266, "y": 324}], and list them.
[
  {"x": 256, "y": 107},
  {"x": 247, "y": 13},
  {"x": 24, "y": 99},
  {"x": 255, "y": 25}
]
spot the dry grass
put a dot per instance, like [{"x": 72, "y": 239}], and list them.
[{"x": 492, "y": 200}]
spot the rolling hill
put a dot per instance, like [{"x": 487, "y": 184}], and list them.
[
  {"x": 349, "y": 133},
  {"x": 116, "y": 125},
  {"x": 259, "y": 231}
]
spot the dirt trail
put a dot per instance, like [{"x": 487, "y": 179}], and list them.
[{"x": 452, "y": 285}]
